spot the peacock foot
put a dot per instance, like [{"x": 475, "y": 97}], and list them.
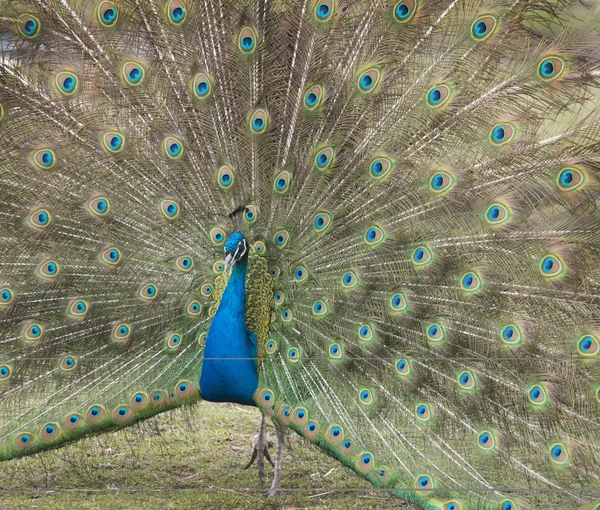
[{"x": 261, "y": 452}]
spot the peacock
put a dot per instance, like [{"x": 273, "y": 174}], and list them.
[{"x": 374, "y": 220}]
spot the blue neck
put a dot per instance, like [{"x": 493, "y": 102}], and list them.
[{"x": 224, "y": 379}]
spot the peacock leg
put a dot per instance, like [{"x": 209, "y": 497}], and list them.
[
  {"x": 261, "y": 451},
  {"x": 278, "y": 461}
]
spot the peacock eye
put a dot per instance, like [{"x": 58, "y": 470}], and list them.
[
  {"x": 438, "y": 95},
  {"x": 176, "y": 11},
  {"x": 66, "y": 82},
  {"x": 28, "y": 26},
  {"x": 133, "y": 73},
  {"x": 99, "y": 207},
  {"x": 43, "y": 159},
  {"x": 369, "y": 80},
  {"x": 442, "y": 182},
  {"x": 225, "y": 177},
  {"x": 405, "y": 10},
  {"x": 503, "y": 133},
  {"x": 324, "y": 10},
  {"x": 483, "y": 27},
  {"x": 324, "y": 159},
  {"x": 107, "y": 14},
  {"x": 282, "y": 182},
  {"x": 551, "y": 68},
  {"x": 202, "y": 85},
  {"x": 247, "y": 41},
  {"x": 313, "y": 97}
]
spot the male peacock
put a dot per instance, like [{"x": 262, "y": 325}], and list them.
[{"x": 412, "y": 281}]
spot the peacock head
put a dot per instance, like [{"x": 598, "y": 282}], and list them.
[{"x": 236, "y": 249}]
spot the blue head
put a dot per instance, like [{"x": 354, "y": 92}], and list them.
[{"x": 236, "y": 249}]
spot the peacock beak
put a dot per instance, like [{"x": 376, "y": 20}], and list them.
[{"x": 229, "y": 261}]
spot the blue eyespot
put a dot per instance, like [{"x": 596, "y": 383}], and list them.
[
  {"x": 312, "y": 427},
  {"x": 258, "y": 124},
  {"x": 139, "y": 398},
  {"x": 423, "y": 481},
  {"x": 281, "y": 183},
  {"x": 548, "y": 264},
  {"x": 182, "y": 387},
  {"x": 419, "y": 254},
  {"x": 157, "y": 397},
  {"x": 480, "y": 28},
  {"x": 334, "y": 349},
  {"x": 301, "y": 414},
  {"x": 30, "y": 27},
  {"x": 115, "y": 142},
  {"x": 535, "y": 392},
  {"x": 364, "y": 331},
  {"x": 135, "y": 74},
  {"x": 174, "y": 149},
  {"x": 377, "y": 167},
  {"x": 311, "y": 99},
  {"x": 421, "y": 410},
  {"x": 94, "y": 411},
  {"x": 247, "y": 43},
  {"x": 484, "y": 439},
  {"x": 286, "y": 412},
  {"x": 402, "y": 11},
  {"x": 123, "y": 330},
  {"x": 69, "y": 362},
  {"x": 366, "y": 459},
  {"x": 299, "y": 273},
  {"x": 25, "y": 438},
  {"x": 323, "y": 11},
  {"x": 322, "y": 159},
  {"x": 508, "y": 333},
  {"x": 202, "y": 88},
  {"x": 122, "y": 411},
  {"x": 5, "y": 295},
  {"x": 336, "y": 432},
  {"x": 177, "y": 14},
  {"x": 435, "y": 96},
  {"x": 109, "y": 16},
  {"x": 347, "y": 444},
  {"x": 365, "y": 395},
  {"x": 4, "y": 371},
  {"x": 494, "y": 213},
  {"x": 74, "y": 419},
  {"x": 68, "y": 84},
  {"x": 366, "y": 82},
  {"x": 557, "y": 451},
  {"x": 498, "y": 134},
  {"x": 171, "y": 209},
  {"x": 47, "y": 158},
  {"x": 319, "y": 221}
]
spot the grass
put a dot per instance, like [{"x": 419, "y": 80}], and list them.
[{"x": 182, "y": 459}]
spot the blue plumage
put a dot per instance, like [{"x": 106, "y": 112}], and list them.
[{"x": 234, "y": 379}]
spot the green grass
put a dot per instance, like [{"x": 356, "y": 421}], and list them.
[{"x": 186, "y": 458}]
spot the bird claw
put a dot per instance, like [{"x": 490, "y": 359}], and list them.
[{"x": 261, "y": 451}]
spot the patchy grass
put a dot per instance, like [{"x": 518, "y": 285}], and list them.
[{"x": 182, "y": 459}]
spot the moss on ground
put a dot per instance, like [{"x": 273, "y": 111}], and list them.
[{"x": 186, "y": 458}]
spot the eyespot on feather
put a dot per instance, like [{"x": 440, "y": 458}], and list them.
[
  {"x": 365, "y": 333},
  {"x": 380, "y": 167},
  {"x": 324, "y": 10},
  {"x": 78, "y": 308},
  {"x": 66, "y": 82},
  {"x": 365, "y": 462},
  {"x": 398, "y": 303},
  {"x": 369, "y": 80},
  {"x": 335, "y": 434},
  {"x": 247, "y": 41},
  {"x": 139, "y": 401},
  {"x": 194, "y": 308},
  {"x": 503, "y": 133},
  {"x": 271, "y": 347},
  {"x": 172, "y": 147},
  {"x": 32, "y": 332},
  {"x": 174, "y": 340},
  {"x": 423, "y": 412},
  {"x": 251, "y": 214},
  {"x": 571, "y": 179},
  {"x": 225, "y": 177},
  {"x": 422, "y": 256},
  {"x": 324, "y": 159},
  {"x": 111, "y": 256},
  {"x": 185, "y": 263},
  {"x": 43, "y": 159},
  {"x": 73, "y": 421},
  {"x": 148, "y": 292},
  {"x": 300, "y": 274},
  {"x": 28, "y": 26},
  {"x": 322, "y": 222},
  {"x": 441, "y": 182},
  {"x": 282, "y": 182},
  {"x": 113, "y": 142},
  {"x": 133, "y": 73},
  {"x": 260, "y": 247},
  {"x": 293, "y": 354},
  {"x": 551, "y": 68},
  {"x": 169, "y": 209},
  {"x": 537, "y": 395},
  {"x": 217, "y": 236},
  {"x": 405, "y": 10},
  {"x": 98, "y": 207},
  {"x": 7, "y": 296},
  {"x": 39, "y": 219},
  {"x": 588, "y": 346},
  {"x": 95, "y": 414},
  {"x": 438, "y": 95},
  {"x": 23, "y": 440},
  {"x": 350, "y": 280},
  {"x": 403, "y": 367},
  {"x": 314, "y": 97},
  {"x": 435, "y": 333},
  {"x": 68, "y": 363},
  {"x": 483, "y": 27},
  {"x": 206, "y": 289},
  {"x": 48, "y": 270},
  {"x": 424, "y": 484},
  {"x": 281, "y": 238},
  {"x": 122, "y": 414},
  {"x": 498, "y": 214},
  {"x": 107, "y": 14},
  {"x": 552, "y": 266},
  {"x": 202, "y": 86},
  {"x": 176, "y": 12},
  {"x": 121, "y": 333},
  {"x": 374, "y": 236}
]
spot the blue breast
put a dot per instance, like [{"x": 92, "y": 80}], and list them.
[{"x": 225, "y": 379}]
